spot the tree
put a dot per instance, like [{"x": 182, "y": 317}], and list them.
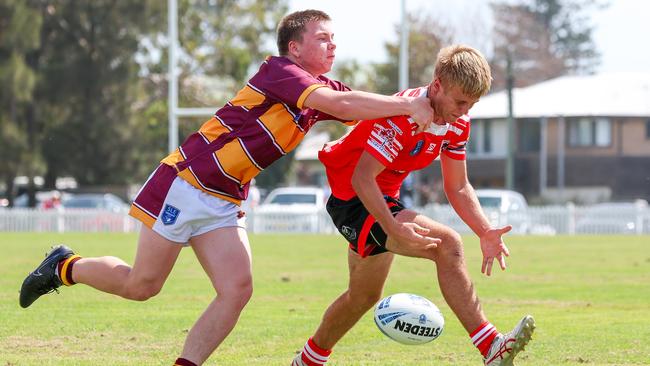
[
  {"x": 426, "y": 38},
  {"x": 19, "y": 35},
  {"x": 88, "y": 77},
  {"x": 544, "y": 39}
]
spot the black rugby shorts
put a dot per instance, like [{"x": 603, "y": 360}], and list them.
[{"x": 354, "y": 222}]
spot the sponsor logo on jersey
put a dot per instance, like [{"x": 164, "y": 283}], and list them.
[
  {"x": 417, "y": 148},
  {"x": 455, "y": 130},
  {"x": 394, "y": 126},
  {"x": 169, "y": 214},
  {"x": 432, "y": 148},
  {"x": 383, "y": 140},
  {"x": 444, "y": 145}
]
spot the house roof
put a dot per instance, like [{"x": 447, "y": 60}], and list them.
[{"x": 610, "y": 95}]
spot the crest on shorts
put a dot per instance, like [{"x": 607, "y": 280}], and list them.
[
  {"x": 348, "y": 232},
  {"x": 169, "y": 214}
]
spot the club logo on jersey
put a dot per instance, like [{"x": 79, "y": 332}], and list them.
[
  {"x": 418, "y": 147},
  {"x": 169, "y": 214},
  {"x": 308, "y": 116},
  {"x": 383, "y": 140},
  {"x": 349, "y": 232}
]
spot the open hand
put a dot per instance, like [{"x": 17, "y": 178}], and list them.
[
  {"x": 410, "y": 239},
  {"x": 493, "y": 248}
]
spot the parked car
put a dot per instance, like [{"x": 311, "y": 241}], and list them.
[
  {"x": 96, "y": 212},
  {"x": 99, "y": 201},
  {"x": 42, "y": 198},
  {"x": 505, "y": 207},
  {"x": 291, "y": 209}
]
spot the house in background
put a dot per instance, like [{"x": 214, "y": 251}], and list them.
[{"x": 579, "y": 138}]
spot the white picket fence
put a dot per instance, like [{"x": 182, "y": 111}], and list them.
[
  {"x": 629, "y": 219},
  {"x": 539, "y": 220},
  {"x": 77, "y": 220}
]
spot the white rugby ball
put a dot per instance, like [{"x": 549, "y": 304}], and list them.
[{"x": 409, "y": 319}]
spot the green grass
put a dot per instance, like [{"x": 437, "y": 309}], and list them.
[{"x": 590, "y": 297}]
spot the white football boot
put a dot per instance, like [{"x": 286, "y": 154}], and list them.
[
  {"x": 505, "y": 347},
  {"x": 297, "y": 361}
]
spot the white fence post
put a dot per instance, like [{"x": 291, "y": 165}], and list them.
[
  {"x": 571, "y": 218},
  {"x": 641, "y": 209}
]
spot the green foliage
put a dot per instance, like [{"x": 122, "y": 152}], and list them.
[
  {"x": 85, "y": 81},
  {"x": 589, "y": 296},
  {"x": 19, "y": 36},
  {"x": 544, "y": 38},
  {"x": 88, "y": 82},
  {"x": 426, "y": 38}
]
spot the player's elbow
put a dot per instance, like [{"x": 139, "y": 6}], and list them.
[
  {"x": 357, "y": 180},
  {"x": 455, "y": 188}
]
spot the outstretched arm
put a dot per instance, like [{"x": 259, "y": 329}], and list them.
[
  {"x": 353, "y": 105},
  {"x": 462, "y": 197}
]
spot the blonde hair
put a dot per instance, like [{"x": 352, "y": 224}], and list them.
[{"x": 464, "y": 66}]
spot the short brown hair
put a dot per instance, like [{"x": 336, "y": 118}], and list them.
[
  {"x": 466, "y": 67},
  {"x": 292, "y": 27}
]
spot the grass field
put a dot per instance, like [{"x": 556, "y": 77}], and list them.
[{"x": 590, "y": 297}]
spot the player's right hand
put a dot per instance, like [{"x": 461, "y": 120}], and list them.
[
  {"x": 411, "y": 240},
  {"x": 422, "y": 112}
]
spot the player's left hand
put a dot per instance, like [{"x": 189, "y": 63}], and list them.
[{"x": 493, "y": 248}]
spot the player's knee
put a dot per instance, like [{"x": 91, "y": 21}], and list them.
[
  {"x": 238, "y": 291},
  {"x": 365, "y": 299},
  {"x": 143, "y": 290},
  {"x": 452, "y": 246}
]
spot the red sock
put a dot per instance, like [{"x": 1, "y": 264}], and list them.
[
  {"x": 312, "y": 355},
  {"x": 184, "y": 362},
  {"x": 483, "y": 336}
]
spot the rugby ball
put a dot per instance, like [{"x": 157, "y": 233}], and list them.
[{"x": 409, "y": 319}]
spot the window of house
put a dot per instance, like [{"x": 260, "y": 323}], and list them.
[
  {"x": 530, "y": 134},
  {"x": 488, "y": 138},
  {"x": 586, "y": 132},
  {"x": 473, "y": 144}
]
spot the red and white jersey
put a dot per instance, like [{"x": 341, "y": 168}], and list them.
[{"x": 394, "y": 143}]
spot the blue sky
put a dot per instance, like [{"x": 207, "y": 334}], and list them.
[{"x": 621, "y": 30}]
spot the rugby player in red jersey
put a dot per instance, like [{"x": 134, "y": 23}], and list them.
[
  {"x": 365, "y": 169},
  {"x": 193, "y": 197}
]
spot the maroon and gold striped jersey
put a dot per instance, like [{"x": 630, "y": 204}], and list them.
[{"x": 262, "y": 123}]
